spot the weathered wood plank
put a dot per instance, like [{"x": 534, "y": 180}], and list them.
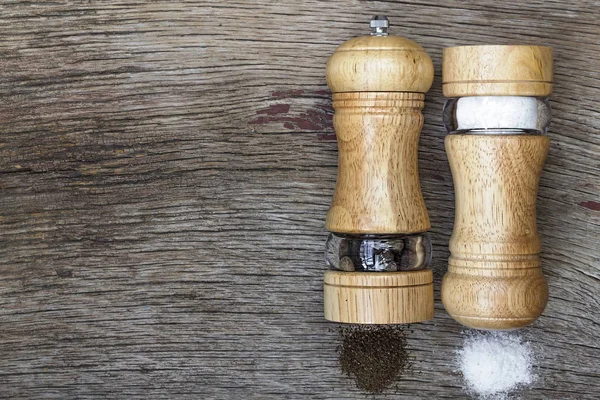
[{"x": 166, "y": 168}]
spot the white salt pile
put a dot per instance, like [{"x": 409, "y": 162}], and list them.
[{"x": 494, "y": 363}]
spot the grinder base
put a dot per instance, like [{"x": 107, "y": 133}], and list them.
[{"x": 378, "y": 297}]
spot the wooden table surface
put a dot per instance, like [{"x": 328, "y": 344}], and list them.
[{"x": 166, "y": 168}]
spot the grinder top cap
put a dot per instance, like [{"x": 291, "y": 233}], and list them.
[
  {"x": 496, "y": 70},
  {"x": 379, "y": 63}
]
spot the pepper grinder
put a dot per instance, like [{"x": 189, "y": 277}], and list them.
[
  {"x": 378, "y": 251},
  {"x": 496, "y": 149}
]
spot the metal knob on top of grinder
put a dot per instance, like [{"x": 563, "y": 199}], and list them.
[{"x": 378, "y": 252}]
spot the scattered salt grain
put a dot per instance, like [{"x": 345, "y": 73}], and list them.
[{"x": 494, "y": 363}]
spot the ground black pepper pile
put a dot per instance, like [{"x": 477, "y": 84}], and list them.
[{"x": 375, "y": 356}]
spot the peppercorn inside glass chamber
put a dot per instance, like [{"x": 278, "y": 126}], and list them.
[{"x": 378, "y": 253}]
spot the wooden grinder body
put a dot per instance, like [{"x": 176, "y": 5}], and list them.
[
  {"x": 494, "y": 278},
  {"x": 378, "y": 190}
]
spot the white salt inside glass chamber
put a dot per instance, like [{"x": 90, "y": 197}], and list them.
[{"x": 496, "y": 112}]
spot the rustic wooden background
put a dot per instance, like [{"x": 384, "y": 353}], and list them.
[{"x": 166, "y": 168}]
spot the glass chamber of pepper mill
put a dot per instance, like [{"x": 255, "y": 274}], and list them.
[
  {"x": 378, "y": 252},
  {"x": 496, "y": 118}
]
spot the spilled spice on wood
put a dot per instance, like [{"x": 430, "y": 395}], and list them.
[{"x": 375, "y": 356}]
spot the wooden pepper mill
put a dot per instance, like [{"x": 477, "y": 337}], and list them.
[
  {"x": 378, "y": 252},
  {"x": 496, "y": 151}
]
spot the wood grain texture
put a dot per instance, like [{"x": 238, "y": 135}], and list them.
[
  {"x": 497, "y": 70},
  {"x": 378, "y": 84},
  {"x": 377, "y": 189},
  {"x": 378, "y": 297},
  {"x": 494, "y": 279},
  {"x": 379, "y": 64},
  {"x": 166, "y": 168}
]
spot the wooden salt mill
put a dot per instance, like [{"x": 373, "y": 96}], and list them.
[
  {"x": 496, "y": 151},
  {"x": 378, "y": 252}
]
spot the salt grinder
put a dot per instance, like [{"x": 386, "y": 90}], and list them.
[
  {"x": 378, "y": 251},
  {"x": 496, "y": 118}
]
